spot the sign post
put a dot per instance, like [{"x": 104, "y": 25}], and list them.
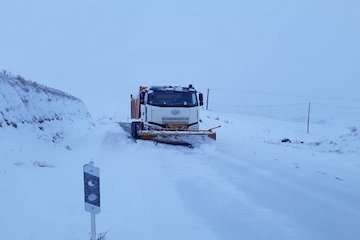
[
  {"x": 207, "y": 99},
  {"x": 308, "y": 119},
  {"x": 92, "y": 194}
]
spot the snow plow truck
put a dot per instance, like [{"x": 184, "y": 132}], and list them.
[{"x": 168, "y": 114}]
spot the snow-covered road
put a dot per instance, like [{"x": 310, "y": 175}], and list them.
[
  {"x": 241, "y": 186},
  {"x": 244, "y": 186}
]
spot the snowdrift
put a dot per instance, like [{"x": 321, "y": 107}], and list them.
[{"x": 25, "y": 103}]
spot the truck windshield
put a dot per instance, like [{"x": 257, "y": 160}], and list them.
[{"x": 172, "y": 99}]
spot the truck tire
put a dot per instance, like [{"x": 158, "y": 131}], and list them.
[{"x": 134, "y": 130}]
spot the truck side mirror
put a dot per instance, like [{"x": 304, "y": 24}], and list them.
[
  {"x": 142, "y": 98},
  {"x": 201, "y": 99}
]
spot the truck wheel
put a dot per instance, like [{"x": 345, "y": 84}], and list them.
[{"x": 134, "y": 130}]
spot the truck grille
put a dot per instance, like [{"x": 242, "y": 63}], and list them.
[{"x": 175, "y": 120}]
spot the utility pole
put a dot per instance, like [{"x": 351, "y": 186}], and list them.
[
  {"x": 308, "y": 118},
  {"x": 207, "y": 99}
]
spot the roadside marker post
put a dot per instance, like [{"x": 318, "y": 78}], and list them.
[{"x": 92, "y": 194}]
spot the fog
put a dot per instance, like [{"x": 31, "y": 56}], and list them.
[{"x": 100, "y": 51}]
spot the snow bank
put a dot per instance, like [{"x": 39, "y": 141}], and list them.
[{"x": 25, "y": 104}]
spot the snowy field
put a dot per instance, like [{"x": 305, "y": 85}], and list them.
[
  {"x": 264, "y": 61},
  {"x": 246, "y": 185}
]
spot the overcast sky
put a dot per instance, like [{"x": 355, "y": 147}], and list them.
[{"x": 101, "y": 50}]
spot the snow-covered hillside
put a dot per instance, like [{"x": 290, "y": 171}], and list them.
[
  {"x": 26, "y": 102},
  {"x": 49, "y": 112}
]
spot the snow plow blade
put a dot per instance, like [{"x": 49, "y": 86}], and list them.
[
  {"x": 174, "y": 137},
  {"x": 183, "y": 138},
  {"x": 153, "y": 134}
]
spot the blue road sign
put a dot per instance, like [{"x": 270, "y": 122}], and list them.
[{"x": 92, "y": 188}]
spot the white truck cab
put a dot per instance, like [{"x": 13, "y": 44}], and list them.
[{"x": 175, "y": 108}]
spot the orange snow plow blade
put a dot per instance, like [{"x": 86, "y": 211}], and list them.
[
  {"x": 174, "y": 137},
  {"x": 154, "y": 134},
  {"x": 183, "y": 138}
]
